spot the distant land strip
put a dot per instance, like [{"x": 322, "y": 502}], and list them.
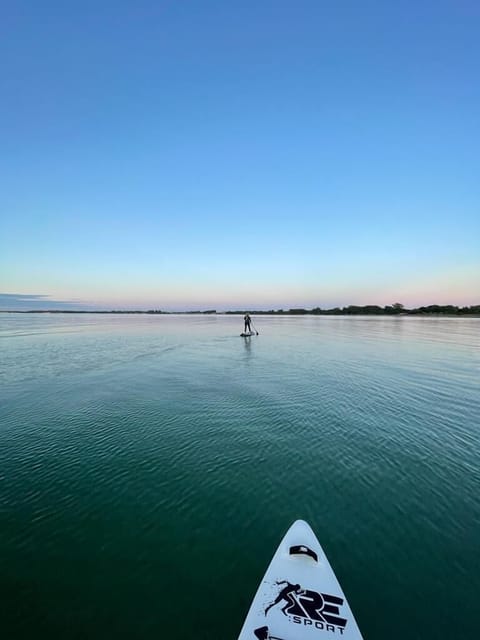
[{"x": 369, "y": 309}]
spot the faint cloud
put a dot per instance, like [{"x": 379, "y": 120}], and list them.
[{"x": 37, "y": 302}]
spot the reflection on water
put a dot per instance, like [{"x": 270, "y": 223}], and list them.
[{"x": 247, "y": 342}]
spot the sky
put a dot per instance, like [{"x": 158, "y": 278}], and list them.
[{"x": 262, "y": 154}]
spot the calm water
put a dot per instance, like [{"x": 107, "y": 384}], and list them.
[{"x": 149, "y": 466}]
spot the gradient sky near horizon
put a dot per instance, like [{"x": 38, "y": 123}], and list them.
[{"x": 255, "y": 154}]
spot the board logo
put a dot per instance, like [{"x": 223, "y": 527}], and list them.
[{"x": 310, "y": 608}]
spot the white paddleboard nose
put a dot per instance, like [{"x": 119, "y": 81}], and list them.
[{"x": 299, "y": 597}]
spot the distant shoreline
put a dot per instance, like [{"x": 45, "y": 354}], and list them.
[{"x": 371, "y": 310}]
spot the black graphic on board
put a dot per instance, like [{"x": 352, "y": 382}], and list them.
[
  {"x": 284, "y": 595},
  {"x": 311, "y": 605},
  {"x": 262, "y": 634}
]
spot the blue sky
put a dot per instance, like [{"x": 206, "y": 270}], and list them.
[{"x": 213, "y": 154}]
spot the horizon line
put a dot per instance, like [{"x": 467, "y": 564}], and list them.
[{"x": 369, "y": 309}]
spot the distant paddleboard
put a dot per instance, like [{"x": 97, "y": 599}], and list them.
[
  {"x": 300, "y": 597},
  {"x": 247, "y": 334}
]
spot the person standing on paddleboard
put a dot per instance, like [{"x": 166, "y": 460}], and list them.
[{"x": 247, "y": 321}]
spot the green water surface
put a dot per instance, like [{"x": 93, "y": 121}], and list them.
[{"x": 149, "y": 466}]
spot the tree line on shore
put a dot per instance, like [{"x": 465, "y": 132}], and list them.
[
  {"x": 373, "y": 309},
  {"x": 370, "y": 309}
]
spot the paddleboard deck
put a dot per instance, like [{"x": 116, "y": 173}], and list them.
[
  {"x": 247, "y": 334},
  {"x": 299, "y": 598}
]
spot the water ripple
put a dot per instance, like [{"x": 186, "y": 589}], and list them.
[{"x": 133, "y": 449}]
